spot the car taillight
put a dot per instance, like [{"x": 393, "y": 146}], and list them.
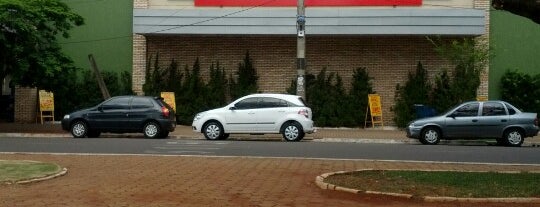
[
  {"x": 304, "y": 112},
  {"x": 165, "y": 111},
  {"x": 536, "y": 121}
]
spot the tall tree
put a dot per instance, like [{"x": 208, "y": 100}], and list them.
[
  {"x": 526, "y": 8},
  {"x": 29, "y": 50}
]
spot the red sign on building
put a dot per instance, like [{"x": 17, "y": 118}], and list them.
[{"x": 308, "y": 2}]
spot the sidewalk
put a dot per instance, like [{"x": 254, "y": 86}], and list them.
[{"x": 388, "y": 135}]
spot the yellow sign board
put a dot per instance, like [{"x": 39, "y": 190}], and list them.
[
  {"x": 46, "y": 101},
  {"x": 375, "y": 110},
  {"x": 168, "y": 97},
  {"x": 375, "y": 104},
  {"x": 482, "y": 98}
]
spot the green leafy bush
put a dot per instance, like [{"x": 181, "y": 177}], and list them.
[
  {"x": 332, "y": 106},
  {"x": 246, "y": 83},
  {"x": 415, "y": 91},
  {"x": 88, "y": 93},
  {"x": 521, "y": 90}
]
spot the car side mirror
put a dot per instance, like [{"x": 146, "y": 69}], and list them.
[
  {"x": 232, "y": 108},
  {"x": 452, "y": 115},
  {"x": 100, "y": 108}
]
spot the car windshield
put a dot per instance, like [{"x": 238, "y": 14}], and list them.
[{"x": 451, "y": 109}]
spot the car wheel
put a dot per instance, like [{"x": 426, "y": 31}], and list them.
[
  {"x": 93, "y": 134},
  {"x": 151, "y": 130},
  {"x": 213, "y": 131},
  {"x": 431, "y": 136},
  {"x": 292, "y": 131},
  {"x": 513, "y": 137},
  {"x": 79, "y": 129}
]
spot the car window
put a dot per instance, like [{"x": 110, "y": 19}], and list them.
[
  {"x": 116, "y": 103},
  {"x": 511, "y": 110},
  {"x": 248, "y": 103},
  {"x": 493, "y": 109},
  {"x": 141, "y": 103},
  {"x": 467, "y": 110},
  {"x": 268, "y": 102}
]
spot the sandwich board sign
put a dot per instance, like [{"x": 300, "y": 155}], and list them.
[
  {"x": 375, "y": 110},
  {"x": 46, "y": 105}
]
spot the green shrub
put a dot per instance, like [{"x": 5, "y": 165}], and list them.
[
  {"x": 246, "y": 82},
  {"x": 521, "y": 90},
  {"x": 469, "y": 58},
  {"x": 191, "y": 100},
  {"x": 442, "y": 97},
  {"x": 332, "y": 106},
  {"x": 358, "y": 96},
  {"x": 88, "y": 93},
  {"x": 415, "y": 91},
  {"x": 216, "y": 95}
]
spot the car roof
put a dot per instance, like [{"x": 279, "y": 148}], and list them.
[{"x": 288, "y": 97}]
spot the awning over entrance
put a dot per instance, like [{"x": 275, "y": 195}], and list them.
[{"x": 319, "y": 21}]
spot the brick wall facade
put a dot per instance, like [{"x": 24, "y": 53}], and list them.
[
  {"x": 26, "y": 100},
  {"x": 387, "y": 59}
]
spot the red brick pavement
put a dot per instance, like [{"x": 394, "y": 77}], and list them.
[{"x": 125, "y": 180}]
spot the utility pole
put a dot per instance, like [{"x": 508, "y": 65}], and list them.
[
  {"x": 99, "y": 78},
  {"x": 301, "y": 50}
]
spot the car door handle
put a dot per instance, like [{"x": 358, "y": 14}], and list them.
[
  {"x": 503, "y": 120},
  {"x": 251, "y": 113},
  {"x": 475, "y": 120}
]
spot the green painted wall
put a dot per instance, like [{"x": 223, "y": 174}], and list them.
[
  {"x": 515, "y": 45},
  {"x": 107, "y": 34}
]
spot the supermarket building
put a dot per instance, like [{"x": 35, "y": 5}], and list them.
[{"x": 387, "y": 37}]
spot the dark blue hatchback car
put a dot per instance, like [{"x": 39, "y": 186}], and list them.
[{"x": 123, "y": 114}]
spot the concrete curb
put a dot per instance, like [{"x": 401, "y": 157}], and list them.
[
  {"x": 276, "y": 138},
  {"x": 319, "y": 181},
  {"x": 61, "y": 173}
]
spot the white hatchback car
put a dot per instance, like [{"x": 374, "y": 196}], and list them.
[{"x": 257, "y": 114}]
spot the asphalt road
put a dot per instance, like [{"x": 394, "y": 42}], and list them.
[{"x": 304, "y": 149}]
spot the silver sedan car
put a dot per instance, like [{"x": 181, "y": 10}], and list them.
[{"x": 477, "y": 120}]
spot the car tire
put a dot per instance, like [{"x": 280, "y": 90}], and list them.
[
  {"x": 164, "y": 135},
  {"x": 292, "y": 131},
  {"x": 213, "y": 131},
  {"x": 430, "y": 136},
  {"x": 151, "y": 130},
  {"x": 93, "y": 134},
  {"x": 225, "y": 136},
  {"x": 500, "y": 142},
  {"x": 513, "y": 137},
  {"x": 79, "y": 129}
]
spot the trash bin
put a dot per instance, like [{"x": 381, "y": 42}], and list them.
[{"x": 423, "y": 111}]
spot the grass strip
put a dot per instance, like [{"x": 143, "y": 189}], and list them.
[
  {"x": 442, "y": 183},
  {"x": 12, "y": 171}
]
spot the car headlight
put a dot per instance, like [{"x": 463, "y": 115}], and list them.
[
  {"x": 198, "y": 116},
  {"x": 66, "y": 116}
]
